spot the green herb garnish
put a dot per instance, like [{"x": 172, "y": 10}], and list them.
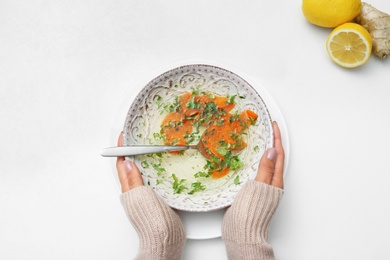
[
  {"x": 237, "y": 180},
  {"x": 178, "y": 185},
  {"x": 157, "y": 167},
  {"x": 231, "y": 99},
  {"x": 202, "y": 174},
  {"x": 145, "y": 164},
  {"x": 196, "y": 186}
]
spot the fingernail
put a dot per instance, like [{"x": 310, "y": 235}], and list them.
[
  {"x": 271, "y": 153},
  {"x": 128, "y": 165}
]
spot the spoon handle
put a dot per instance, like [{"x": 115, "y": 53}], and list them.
[{"x": 139, "y": 149}]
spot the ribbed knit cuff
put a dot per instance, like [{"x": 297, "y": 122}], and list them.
[
  {"x": 246, "y": 222},
  {"x": 159, "y": 227}
]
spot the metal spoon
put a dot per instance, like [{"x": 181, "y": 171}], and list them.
[
  {"x": 149, "y": 149},
  {"x": 139, "y": 149}
]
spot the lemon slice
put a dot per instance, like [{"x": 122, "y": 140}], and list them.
[{"x": 349, "y": 45}]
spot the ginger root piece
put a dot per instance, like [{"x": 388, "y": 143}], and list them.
[{"x": 377, "y": 24}]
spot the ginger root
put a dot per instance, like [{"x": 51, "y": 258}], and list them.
[{"x": 377, "y": 24}]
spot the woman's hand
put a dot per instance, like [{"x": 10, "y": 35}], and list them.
[
  {"x": 272, "y": 163},
  {"x": 128, "y": 173}
]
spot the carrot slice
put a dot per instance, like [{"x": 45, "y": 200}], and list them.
[
  {"x": 250, "y": 114},
  {"x": 202, "y": 99},
  {"x": 220, "y": 101},
  {"x": 175, "y": 128},
  {"x": 210, "y": 139},
  {"x": 171, "y": 118},
  {"x": 228, "y": 108},
  {"x": 184, "y": 99},
  {"x": 243, "y": 121},
  {"x": 217, "y": 174}
]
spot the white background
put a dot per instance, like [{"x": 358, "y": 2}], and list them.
[{"x": 65, "y": 67}]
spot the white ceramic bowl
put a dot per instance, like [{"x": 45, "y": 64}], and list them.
[{"x": 145, "y": 116}]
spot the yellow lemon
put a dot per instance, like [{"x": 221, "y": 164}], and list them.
[
  {"x": 349, "y": 45},
  {"x": 330, "y": 13}
]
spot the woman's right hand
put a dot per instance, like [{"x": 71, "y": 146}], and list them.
[{"x": 129, "y": 175}]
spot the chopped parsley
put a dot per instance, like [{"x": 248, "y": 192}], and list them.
[
  {"x": 178, "y": 185},
  {"x": 202, "y": 174},
  {"x": 157, "y": 167},
  {"x": 193, "y": 104},
  {"x": 196, "y": 186},
  {"x": 237, "y": 180},
  {"x": 158, "y": 101},
  {"x": 230, "y": 100},
  {"x": 145, "y": 164}
]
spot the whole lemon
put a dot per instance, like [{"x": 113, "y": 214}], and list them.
[{"x": 330, "y": 13}]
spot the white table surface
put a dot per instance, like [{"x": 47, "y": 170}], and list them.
[{"x": 65, "y": 67}]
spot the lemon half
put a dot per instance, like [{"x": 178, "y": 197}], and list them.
[{"x": 349, "y": 45}]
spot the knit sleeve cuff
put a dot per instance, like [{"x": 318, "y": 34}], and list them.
[
  {"x": 248, "y": 219},
  {"x": 159, "y": 227}
]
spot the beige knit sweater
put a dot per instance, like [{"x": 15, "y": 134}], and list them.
[
  {"x": 244, "y": 228},
  {"x": 160, "y": 230},
  {"x": 245, "y": 224}
]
